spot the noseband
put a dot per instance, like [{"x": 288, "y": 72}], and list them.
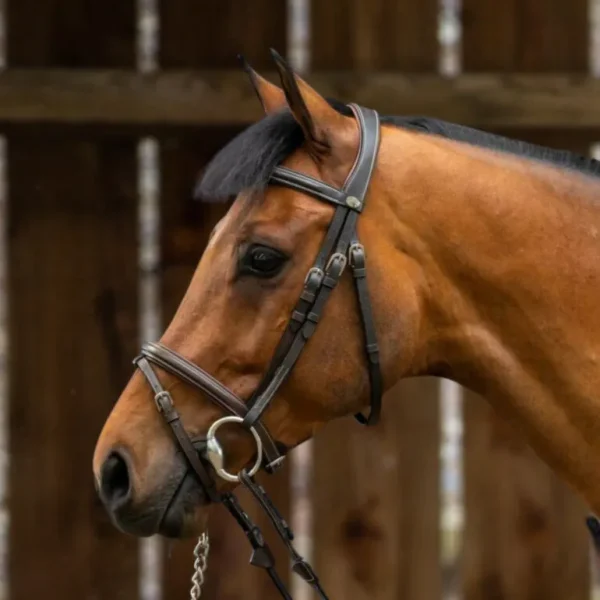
[{"x": 340, "y": 248}]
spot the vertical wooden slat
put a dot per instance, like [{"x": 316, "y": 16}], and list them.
[
  {"x": 524, "y": 536},
  {"x": 533, "y": 36},
  {"x": 72, "y": 255},
  {"x": 379, "y": 34},
  {"x": 210, "y": 35},
  {"x": 375, "y": 491},
  {"x": 375, "y": 500},
  {"x": 197, "y": 36},
  {"x": 525, "y": 36}
]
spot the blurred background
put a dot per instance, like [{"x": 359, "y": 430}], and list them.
[{"x": 108, "y": 111}]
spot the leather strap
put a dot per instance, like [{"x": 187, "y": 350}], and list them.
[
  {"x": 317, "y": 288},
  {"x": 303, "y": 183},
  {"x": 178, "y": 365},
  {"x": 359, "y": 271},
  {"x": 329, "y": 281},
  {"x": 307, "y": 297},
  {"x": 300, "y": 566},
  {"x": 359, "y": 178},
  {"x": 261, "y": 557},
  {"x": 165, "y": 406}
]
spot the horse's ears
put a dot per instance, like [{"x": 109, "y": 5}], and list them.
[
  {"x": 271, "y": 96},
  {"x": 313, "y": 113}
]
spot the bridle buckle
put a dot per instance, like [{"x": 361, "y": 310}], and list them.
[
  {"x": 314, "y": 276},
  {"x": 356, "y": 255},
  {"x": 342, "y": 261},
  {"x": 164, "y": 402}
]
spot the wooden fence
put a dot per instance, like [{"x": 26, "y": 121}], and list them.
[{"x": 74, "y": 106}]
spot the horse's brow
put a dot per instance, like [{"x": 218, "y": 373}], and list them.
[{"x": 215, "y": 228}]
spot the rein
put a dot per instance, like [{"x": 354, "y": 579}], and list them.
[{"x": 340, "y": 248}]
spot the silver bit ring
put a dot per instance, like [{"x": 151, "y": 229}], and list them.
[{"x": 216, "y": 456}]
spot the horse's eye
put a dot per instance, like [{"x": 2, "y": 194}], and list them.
[{"x": 262, "y": 261}]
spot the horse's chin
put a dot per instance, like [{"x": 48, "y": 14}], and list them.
[
  {"x": 184, "y": 525},
  {"x": 187, "y": 513}
]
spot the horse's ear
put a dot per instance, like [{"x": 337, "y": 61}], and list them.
[
  {"x": 313, "y": 113},
  {"x": 271, "y": 96}
]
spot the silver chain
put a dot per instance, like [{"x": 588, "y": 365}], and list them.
[{"x": 200, "y": 563}]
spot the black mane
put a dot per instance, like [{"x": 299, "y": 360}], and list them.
[{"x": 246, "y": 162}]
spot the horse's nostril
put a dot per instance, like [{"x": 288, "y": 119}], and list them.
[{"x": 115, "y": 483}]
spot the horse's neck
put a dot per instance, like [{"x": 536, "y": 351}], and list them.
[{"x": 512, "y": 262}]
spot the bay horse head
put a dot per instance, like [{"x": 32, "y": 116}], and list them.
[
  {"x": 271, "y": 329},
  {"x": 359, "y": 251}
]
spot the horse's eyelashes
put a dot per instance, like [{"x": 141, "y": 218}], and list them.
[{"x": 261, "y": 261}]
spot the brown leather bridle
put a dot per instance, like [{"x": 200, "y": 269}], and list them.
[{"x": 340, "y": 247}]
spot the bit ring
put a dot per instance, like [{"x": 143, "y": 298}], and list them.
[{"x": 216, "y": 456}]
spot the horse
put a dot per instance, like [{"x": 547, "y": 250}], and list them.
[{"x": 360, "y": 250}]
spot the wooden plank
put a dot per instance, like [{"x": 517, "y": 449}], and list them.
[
  {"x": 72, "y": 260},
  {"x": 72, "y": 330},
  {"x": 68, "y": 33},
  {"x": 525, "y": 36},
  {"x": 199, "y": 98},
  {"x": 200, "y": 36},
  {"x": 522, "y": 521},
  {"x": 359, "y": 35},
  {"x": 375, "y": 491},
  {"x": 193, "y": 36},
  {"x": 375, "y": 500}
]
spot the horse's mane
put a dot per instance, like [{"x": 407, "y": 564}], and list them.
[{"x": 246, "y": 162}]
